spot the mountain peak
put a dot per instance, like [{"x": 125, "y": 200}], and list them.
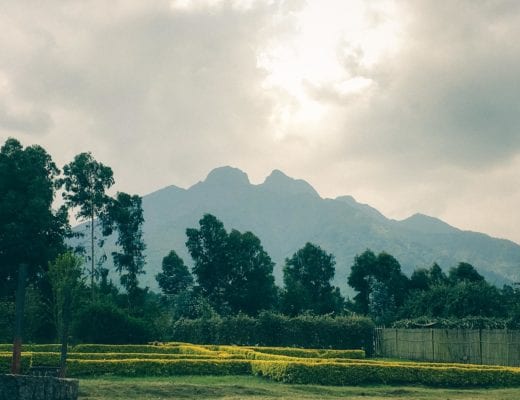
[
  {"x": 425, "y": 223},
  {"x": 278, "y": 181},
  {"x": 227, "y": 175}
]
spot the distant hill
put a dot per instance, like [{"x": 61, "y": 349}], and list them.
[{"x": 285, "y": 213}]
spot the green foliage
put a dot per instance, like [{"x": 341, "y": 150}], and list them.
[
  {"x": 126, "y": 214},
  {"x": 383, "y": 273},
  {"x": 105, "y": 323},
  {"x": 65, "y": 279},
  {"x": 278, "y": 330},
  {"x": 158, "y": 367},
  {"x": 456, "y": 323},
  {"x": 334, "y": 373},
  {"x": 86, "y": 181},
  {"x": 465, "y": 272},
  {"x": 458, "y": 300},
  {"x": 6, "y": 359},
  {"x": 175, "y": 276},
  {"x": 307, "y": 278},
  {"x": 30, "y": 231},
  {"x": 233, "y": 270}
]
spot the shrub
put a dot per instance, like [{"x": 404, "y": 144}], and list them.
[
  {"x": 105, "y": 323},
  {"x": 33, "y": 347},
  {"x": 6, "y": 360},
  {"x": 329, "y": 373},
  {"x": 276, "y": 330},
  {"x": 137, "y": 367}
]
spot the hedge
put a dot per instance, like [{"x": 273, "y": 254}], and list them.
[
  {"x": 6, "y": 360},
  {"x": 137, "y": 367},
  {"x": 130, "y": 348},
  {"x": 32, "y": 347},
  {"x": 41, "y": 358},
  {"x": 276, "y": 330},
  {"x": 342, "y": 374},
  {"x": 311, "y": 353}
]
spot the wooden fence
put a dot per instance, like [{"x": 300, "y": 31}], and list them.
[{"x": 478, "y": 346}]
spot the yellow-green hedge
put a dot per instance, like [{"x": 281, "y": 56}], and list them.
[
  {"x": 311, "y": 353},
  {"x": 6, "y": 360},
  {"x": 151, "y": 349},
  {"x": 76, "y": 368},
  {"x": 54, "y": 358},
  {"x": 32, "y": 347},
  {"x": 343, "y": 374}
]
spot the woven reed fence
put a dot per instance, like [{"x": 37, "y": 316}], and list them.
[{"x": 472, "y": 346}]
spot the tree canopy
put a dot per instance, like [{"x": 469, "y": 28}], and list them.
[{"x": 307, "y": 278}]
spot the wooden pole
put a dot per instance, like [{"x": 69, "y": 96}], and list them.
[{"x": 16, "y": 364}]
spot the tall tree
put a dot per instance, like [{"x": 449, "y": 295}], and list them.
[
  {"x": 175, "y": 276},
  {"x": 86, "y": 181},
  {"x": 383, "y": 272},
  {"x": 31, "y": 232},
  {"x": 464, "y": 272},
  {"x": 251, "y": 285},
  {"x": 126, "y": 215},
  {"x": 307, "y": 278},
  {"x": 65, "y": 278},
  {"x": 233, "y": 270},
  {"x": 208, "y": 249}
]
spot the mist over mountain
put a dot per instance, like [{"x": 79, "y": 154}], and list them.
[{"x": 285, "y": 213}]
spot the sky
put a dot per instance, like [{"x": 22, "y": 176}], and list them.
[{"x": 409, "y": 106}]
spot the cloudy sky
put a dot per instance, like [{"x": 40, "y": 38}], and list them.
[{"x": 409, "y": 105}]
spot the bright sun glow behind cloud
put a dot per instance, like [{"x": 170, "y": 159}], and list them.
[{"x": 334, "y": 44}]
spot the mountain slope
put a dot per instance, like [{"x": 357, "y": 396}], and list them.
[{"x": 285, "y": 213}]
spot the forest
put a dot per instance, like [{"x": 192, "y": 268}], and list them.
[{"x": 69, "y": 289}]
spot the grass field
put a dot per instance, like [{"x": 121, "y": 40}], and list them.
[{"x": 249, "y": 388}]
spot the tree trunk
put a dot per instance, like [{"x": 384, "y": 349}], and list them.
[
  {"x": 92, "y": 270},
  {"x": 65, "y": 333},
  {"x": 16, "y": 365}
]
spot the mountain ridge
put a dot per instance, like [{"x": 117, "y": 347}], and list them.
[{"x": 285, "y": 213}]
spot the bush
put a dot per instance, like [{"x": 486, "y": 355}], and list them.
[
  {"x": 105, "y": 323},
  {"x": 311, "y": 353},
  {"x": 271, "y": 329},
  {"x": 33, "y": 347},
  {"x": 342, "y": 374},
  {"x": 6, "y": 360},
  {"x": 137, "y": 367},
  {"x": 54, "y": 358}
]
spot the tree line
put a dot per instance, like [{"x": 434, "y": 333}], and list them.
[{"x": 70, "y": 293}]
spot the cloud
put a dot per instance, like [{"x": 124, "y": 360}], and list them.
[{"x": 411, "y": 106}]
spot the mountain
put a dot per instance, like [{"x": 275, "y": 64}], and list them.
[{"x": 285, "y": 213}]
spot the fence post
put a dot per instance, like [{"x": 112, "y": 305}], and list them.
[
  {"x": 396, "y": 345},
  {"x": 480, "y": 344},
  {"x": 433, "y": 345},
  {"x": 507, "y": 348}
]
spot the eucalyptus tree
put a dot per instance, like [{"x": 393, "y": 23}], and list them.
[
  {"x": 125, "y": 215},
  {"x": 86, "y": 182}
]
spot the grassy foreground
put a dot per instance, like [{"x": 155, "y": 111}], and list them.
[{"x": 248, "y": 388}]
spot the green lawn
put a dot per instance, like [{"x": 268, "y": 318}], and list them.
[{"x": 245, "y": 387}]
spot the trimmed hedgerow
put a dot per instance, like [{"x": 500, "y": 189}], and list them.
[
  {"x": 6, "y": 360},
  {"x": 343, "y": 374},
  {"x": 54, "y": 358},
  {"x": 32, "y": 347},
  {"x": 311, "y": 353},
  {"x": 153, "y": 349},
  {"x": 270, "y": 329},
  {"x": 137, "y": 367}
]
